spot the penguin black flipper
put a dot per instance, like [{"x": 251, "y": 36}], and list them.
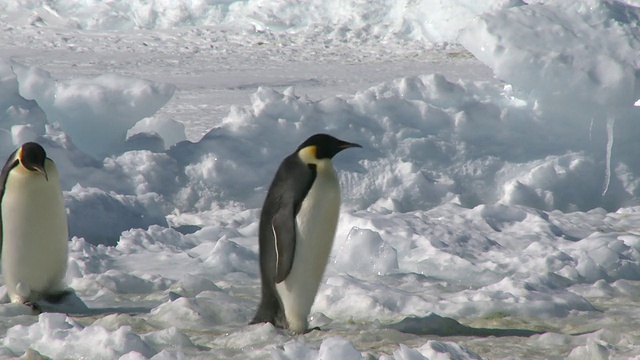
[
  {"x": 285, "y": 244},
  {"x": 10, "y": 164},
  {"x": 278, "y": 233},
  {"x": 290, "y": 186}
]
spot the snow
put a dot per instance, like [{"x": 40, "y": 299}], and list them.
[
  {"x": 483, "y": 218},
  {"x": 96, "y": 112},
  {"x": 427, "y": 21}
]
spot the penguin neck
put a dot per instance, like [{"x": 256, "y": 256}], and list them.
[
  {"x": 34, "y": 177},
  {"x": 323, "y": 166}
]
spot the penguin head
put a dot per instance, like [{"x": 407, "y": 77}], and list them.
[
  {"x": 322, "y": 147},
  {"x": 32, "y": 156}
]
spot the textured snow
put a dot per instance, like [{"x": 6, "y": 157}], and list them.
[
  {"x": 474, "y": 211},
  {"x": 426, "y": 21}
]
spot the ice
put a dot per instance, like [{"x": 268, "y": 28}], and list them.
[
  {"x": 364, "y": 251},
  {"x": 62, "y": 337},
  {"x": 588, "y": 52},
  {"x": 171, "y": 131},
  {"x": 25, "y": 115},
  {"x": 433, "y": 350},
  {"x": 95, "y": 112},
  {"x": 116, "y": 213},
  {"x": 549, "y": 58},
  {"x": 426, "y": 21},
  {"x": 607, "y": 177},
  {"x": 331, "y": 348},
  {"x": 473, "y": 220}
]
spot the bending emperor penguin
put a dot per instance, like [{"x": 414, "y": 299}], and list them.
[
  {"x": 33, "y": 227},
  {"x": 297, "y": 226}
]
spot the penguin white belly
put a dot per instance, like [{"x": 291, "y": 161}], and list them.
[
  {"x": 315, "y": 229},
  {"x": 35, "y": 234}
]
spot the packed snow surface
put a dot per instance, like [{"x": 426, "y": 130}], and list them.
[{"x": 484, "y": 217}]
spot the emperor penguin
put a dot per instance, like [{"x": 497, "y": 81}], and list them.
[
  {"x": 33, "y": 228},
  {"x": 297, "y": 226}
]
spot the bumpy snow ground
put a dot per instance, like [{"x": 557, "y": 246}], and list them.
[{"x": 485, "y": 216}]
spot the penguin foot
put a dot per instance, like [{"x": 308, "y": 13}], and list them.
[
  {"x": 34, "y": 307},
  {"x": 304, "y": 332},
  {"x": 317, "y": 328}
]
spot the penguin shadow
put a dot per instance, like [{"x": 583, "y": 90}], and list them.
[
  {"x": 133, "y": 310},
  {"x": 436, "y": 325},
  {"x": 72, "y": 305},
  {"x": 69, "y": 304},
  {"x": 187, "y": 229}
]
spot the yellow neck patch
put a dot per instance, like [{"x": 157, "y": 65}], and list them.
[
  {"x": 308, "y": 154},
  {"x": 19, "y": 156}
]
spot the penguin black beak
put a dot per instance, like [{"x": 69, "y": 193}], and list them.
[
  {"x": 346, "y": 145},
  {"x": 42, "y": 171}
]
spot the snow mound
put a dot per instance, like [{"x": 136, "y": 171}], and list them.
[
  {"x": 116, "y": 213},
  {"x": 426, "y": 21},
  {"x": 95, "y": 112},
  {"x": 427, "y": 141},
  {"x": 433, "y": 350},
  {"x": 578, "y": 61},
  {"x": 479, "y": 201},
  {"x": 578, "y": 51},
  {"x": 331, "y": 348},
  {"x": 59, "y": 336},
  {"x": 21, "y": 118},
  {"x": 171, "y": 131},
  {"x": 364, "y": 248}
]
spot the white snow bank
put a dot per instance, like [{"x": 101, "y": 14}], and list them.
[
  {"x": 170, "y": 131},
  {"x": 59, "y": 336},
  {"x": 364, "y": 251},
  {"x": 101, "y": 216},
  {"x": 433, "y": 350},
  {"x": 529, "y": 258},
  {"x": 25, "y": 115},
  {"x": 460, "y": 201},
  {"x": 578, "y": 62},
  {"x": 427, "y": 141},
  {"x": 331, "y": 348},
  {"x": 563, "y": 50},
  {"x": 339, "y": 348},
  {"x": 95, "y": 112},
  {"x": 427, "y": 21}
]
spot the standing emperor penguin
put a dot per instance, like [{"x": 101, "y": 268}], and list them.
[
  {"x": 297, "y": 226},
  {"x": 33, "y": 227}
]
